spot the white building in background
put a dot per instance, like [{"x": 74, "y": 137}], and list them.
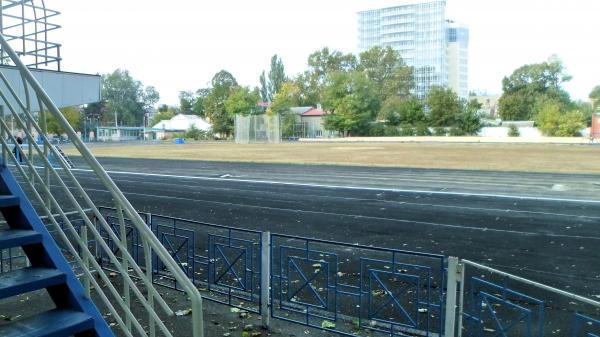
[
  {"x": 458, "y": 58},
  {"x": 182, "y": 123},
  {"x": 426, "y": 40}
]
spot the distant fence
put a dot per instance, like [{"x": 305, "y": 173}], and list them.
[{"x": 257, "y": 129}]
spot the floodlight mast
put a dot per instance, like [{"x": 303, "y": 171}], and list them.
[{"x": 25, "y": 25}]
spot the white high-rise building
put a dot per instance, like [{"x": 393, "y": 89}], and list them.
[
  {"x": 420, "y": 33},
  {"x": 458, "y": 59}
]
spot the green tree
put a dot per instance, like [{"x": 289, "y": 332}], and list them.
[
  {"x": 186, "y": 101},
  {"x": 396, "y": 110},
  {"x": 264, "y": 88},
  {"x": 526, "y": 84},
  {"x": 468, "y": 120},
  {"x": 586, "y": 108},
  {"x": 548, "y": 119},
  {"x": 352, "y": 100},
  {"x": 321, "y": 65},
  {"x": 552, "y": 120},
  {"x": 595, "y": 97},
  {"x": 150, "y": 98},
  {"x": 163, "y": 108},
  {"x": 242, "y": 100},
  {"x": 125, "y": 98},
  {"x": 94, "y": 111},
  {"x": 276, "y": 76},
  {"x": 444, "y": 107},
  {"x": 222, "y": 85},
  {"x": 73, "y": 116},
  {"x": 385, "y": 68},
  {"x": 161, "y": 116},
  {"x": 286, "y": 98},
  {"x": 198, "y": 107},
  {"x": 570, "y": 124}
]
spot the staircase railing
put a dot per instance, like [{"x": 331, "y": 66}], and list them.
[{"x": 56, "y": 190}]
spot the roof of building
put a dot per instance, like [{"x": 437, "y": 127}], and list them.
[
  {"x": 183, "y": 122},
  {"x": 300, "y": 109},
  {"x": 314, "y": 112}
]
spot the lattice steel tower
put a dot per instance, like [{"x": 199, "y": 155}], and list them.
[{"x": 26, "y": 25}]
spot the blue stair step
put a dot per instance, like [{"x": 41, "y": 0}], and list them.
[
  {"x": 53, "y": 323},
  {"x": 8, "y": 201},
  {"x": 29, "y": 279},
  {"x": 18, "y": 238}
]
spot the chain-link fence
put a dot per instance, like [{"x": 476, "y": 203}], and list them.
[{"x": 257, "y": 129}]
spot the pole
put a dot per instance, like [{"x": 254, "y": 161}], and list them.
[
  {"x": 450, "y": 318},
  {"x": 265, "y": 278}
]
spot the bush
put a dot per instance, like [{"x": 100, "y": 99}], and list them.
[
  {"x": 456, "y": 131},
  {"x": 513, "y": 131},
  {"x": 377, "y": 130},
  {"x": 178, "y": 135},
  {"x": 391, "y": 131},
  {"x": 422, "y": 130},
  {"x": 406, "y": 130},
  {"x": 570, "y": 124},
  {"x": 439, "y": 131},
  {"x": 197, "y": 134}
]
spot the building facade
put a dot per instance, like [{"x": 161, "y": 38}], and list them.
[
  {"x": 458, "y": 58},
  {"x": 421, "y": 34}
]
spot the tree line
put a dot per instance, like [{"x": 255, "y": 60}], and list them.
[
  {"x": 370, "y": 94},
  {"x": 535, "y": 92}
]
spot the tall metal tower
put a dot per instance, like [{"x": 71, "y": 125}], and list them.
[{"x": 26, "y": 25}]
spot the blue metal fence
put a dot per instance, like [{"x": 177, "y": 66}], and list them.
[
  {"x": 499, "y": 304},
  {"x": 223, "y": 261},
  {"x": 502, "y": 311},
  {"x": 343, "y": 288},
  {"x": 347, "y": 288}
]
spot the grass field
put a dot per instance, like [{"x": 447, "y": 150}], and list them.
[{"x": 475, "y": 156}]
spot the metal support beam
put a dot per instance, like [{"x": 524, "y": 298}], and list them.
[
  {"x": 265, "y": 279},
  {"x": 450, "y": 317}
]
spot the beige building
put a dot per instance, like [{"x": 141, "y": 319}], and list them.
[
  {"x": 458, "y": 58},
  {"x": 489, "y": 104}
]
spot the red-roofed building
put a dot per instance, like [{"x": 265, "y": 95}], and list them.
[{"x": 313, "y": 123}]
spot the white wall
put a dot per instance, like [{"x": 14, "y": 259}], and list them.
[
  {"x": 529, "y": 132},
  {"x": 501, "y": 132},
  {"x": 65, "y": 89}
]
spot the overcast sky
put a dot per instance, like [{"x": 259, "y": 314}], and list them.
[{"x": 180, "y": 44}]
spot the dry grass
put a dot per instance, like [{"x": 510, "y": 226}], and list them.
[{"x": 503, "y": 157}]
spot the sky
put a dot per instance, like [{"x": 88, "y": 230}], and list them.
[{"x": 180, "y": 44}]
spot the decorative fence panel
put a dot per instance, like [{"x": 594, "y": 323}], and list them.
[
  {"x": 350, "y": 288},
  {"x": 495, "y": 303}
]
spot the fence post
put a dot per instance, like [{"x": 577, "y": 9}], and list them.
[
  {"x": 265, "y": 278},
  {"x": 450, "y": 317},
  {"x": 461, "y": 299}
]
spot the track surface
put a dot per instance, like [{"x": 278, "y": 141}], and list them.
[{"x": 541, "y": 226}]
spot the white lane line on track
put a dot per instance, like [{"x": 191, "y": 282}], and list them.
[
  {"x": 499, "y": 210},
  {"x": 269, "y": 182},
  {"x": 358, "y": 216}
]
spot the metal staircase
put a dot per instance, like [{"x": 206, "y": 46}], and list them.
[
  {"x": 74, "y": 312},
  {"x": 75, "y": 235},
  {"x": 64, "y": 157}
]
